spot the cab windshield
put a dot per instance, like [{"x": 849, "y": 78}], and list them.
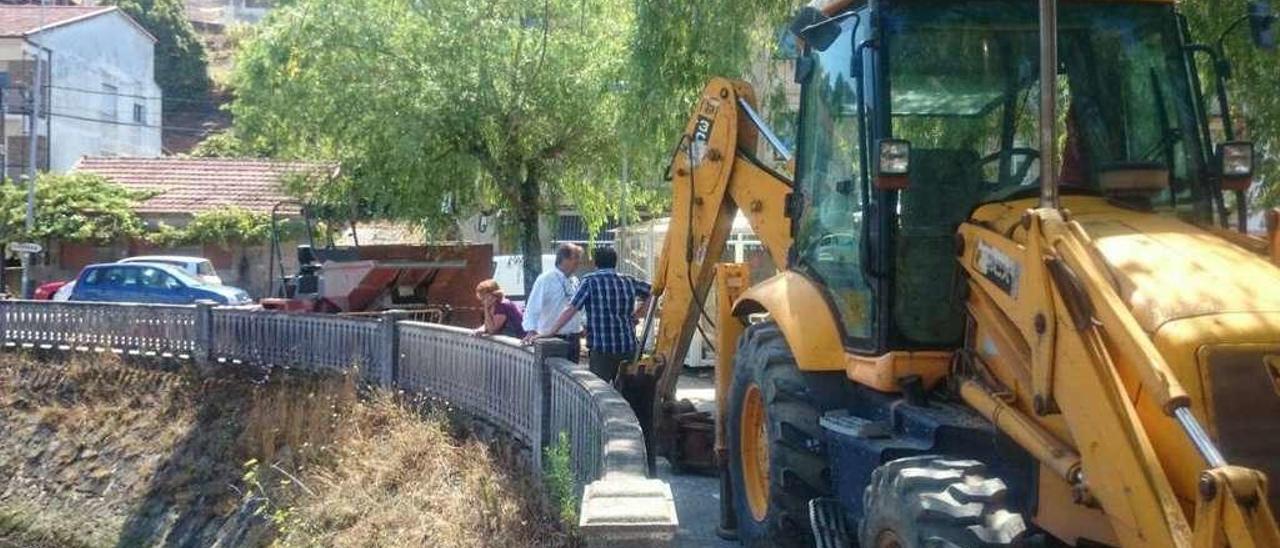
[
  {"x": 964, "y": 89},
  {"x": 960, "y": 81}
]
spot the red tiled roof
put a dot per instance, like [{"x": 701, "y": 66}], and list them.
[
  {"x": 25, "y": 20},
  {"x": 193, "y": 185}
]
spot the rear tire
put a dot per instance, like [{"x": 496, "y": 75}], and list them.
[
  {"x": 928, "y": 501},
  {"x": 776, "y": 460}
]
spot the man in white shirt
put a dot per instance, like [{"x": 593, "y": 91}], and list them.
[{"x": 550, "y": 296}]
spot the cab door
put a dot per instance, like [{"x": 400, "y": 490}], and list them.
[{"x": 830, "y": 230}]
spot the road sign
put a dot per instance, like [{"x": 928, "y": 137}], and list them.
[{"x": 25, "y": 247}]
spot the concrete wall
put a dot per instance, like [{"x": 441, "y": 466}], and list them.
[
  {"x": 103, "y": 68},
  {"x": 473, "y": 230}
]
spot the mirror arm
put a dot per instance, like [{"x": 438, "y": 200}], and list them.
[{"x": 1222, "y": 37}]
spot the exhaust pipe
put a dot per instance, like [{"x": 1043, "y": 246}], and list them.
[{"x": 1048, "y": 104}]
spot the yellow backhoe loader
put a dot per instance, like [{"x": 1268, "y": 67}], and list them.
[{"x": 1016, "y": 305}]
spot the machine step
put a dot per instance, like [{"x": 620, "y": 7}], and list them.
[{"x": 830, "y": 527}]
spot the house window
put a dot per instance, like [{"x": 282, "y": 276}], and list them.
[
  {"x": 110, "y": 103},
  {"x": 139, "y": 113}
]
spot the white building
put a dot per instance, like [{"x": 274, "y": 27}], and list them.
[
  {"x": 228, "y": 12},
  {"x": 100, "y": 94}
]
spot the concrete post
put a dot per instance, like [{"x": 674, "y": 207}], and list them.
[
  {"x": 390, "y": 375},
  {"x": 544, "y": 350},
  {"x": 623, "y": 510},
  {"x": 202, "y": 355}
]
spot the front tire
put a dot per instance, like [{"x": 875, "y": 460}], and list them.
[
  {"x": 776, "y": 461},
  {"x": 929, "y": 500}
]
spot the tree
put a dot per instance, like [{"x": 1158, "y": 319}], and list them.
[
  {"x": 439, "y": 109},
  {"x": 181, "y": 61},
  {"x": 77, "y": 207},
  {"x": 676, "y": 48},
  {"x": 228, "y": 144}
]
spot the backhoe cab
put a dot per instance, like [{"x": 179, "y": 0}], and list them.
[{"x": 1010, "y": 307}]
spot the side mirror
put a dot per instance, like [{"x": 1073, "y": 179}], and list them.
[
  {"x": 893, "y": 164},
  {"x": 1235, "y": 164},
  {"x": 1261, "y": 24}
]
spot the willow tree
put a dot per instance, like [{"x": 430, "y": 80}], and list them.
[
  {"x": 677, "y": 47},
  {"x": 439, "y": 109}
]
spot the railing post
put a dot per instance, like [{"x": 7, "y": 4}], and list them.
[
  {"x": 4, "y": 329},
  {"x": 391, "y": 347},
  {"x": 202, "y": 355},
  {"x": 544, "y": 350}
]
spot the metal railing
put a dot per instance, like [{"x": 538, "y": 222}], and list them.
[
  {"x": 491, "y": 378},
  {"x": 151, "y": 329},
  {"x": 311, "y": 342},
  {"x": 534, "y": 396}
]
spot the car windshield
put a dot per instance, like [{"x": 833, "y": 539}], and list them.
[
  {"x": 964, "y": 89},
  {"x": 177, "y": 272}
]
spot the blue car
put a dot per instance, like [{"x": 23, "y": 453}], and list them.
[{"x": 151, "y": 283}]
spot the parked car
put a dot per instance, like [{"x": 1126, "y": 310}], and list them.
[
  {"x": 64, "y": 293},
  {"x": 46, "y": 291},
  {"x": 150, "y": 283},
  {"x": 199, "y": 267}
]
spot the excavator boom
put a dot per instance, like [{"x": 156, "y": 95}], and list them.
[
  {"x": 714, "y": 176},
  {"x": 1067, "y": 383}
]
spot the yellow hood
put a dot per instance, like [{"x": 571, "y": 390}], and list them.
[{"x": 1169, "y": 270}]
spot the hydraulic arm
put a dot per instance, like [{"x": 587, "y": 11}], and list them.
[{"x": 714, "y": 175}]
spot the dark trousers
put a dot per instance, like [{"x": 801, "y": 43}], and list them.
[
  {"x": 575, "y": 347},
  {"x": 605, "y": 365}
]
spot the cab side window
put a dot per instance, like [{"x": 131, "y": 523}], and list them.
[{"x": 829, "y": 234}]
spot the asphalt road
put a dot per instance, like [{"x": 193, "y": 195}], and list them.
[{"x": 697, "y": 497}]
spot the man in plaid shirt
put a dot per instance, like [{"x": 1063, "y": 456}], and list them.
[{"x": 609, "y": 299}]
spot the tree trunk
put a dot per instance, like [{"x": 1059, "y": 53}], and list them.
[{"x": 530, "y": 240}]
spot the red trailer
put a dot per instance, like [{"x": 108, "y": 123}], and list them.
[{"x": 436, "y": 281}]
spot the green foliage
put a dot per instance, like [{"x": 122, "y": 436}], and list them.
[
  {"x": 229, "y": 144},
  {"x": 439, "y": 109},
  {"x": 181, "y": 60},
  {"x": 224, "y": 227},
  {"x": 677, "y": 47},
  {"x": 557, "y": 478},
  {"x": 1252, "y": 89},
  {"x": 259, "y": 494},
  {"x": 77, "y": 207}
]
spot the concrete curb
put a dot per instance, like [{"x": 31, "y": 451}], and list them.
[{"x": 628, "y": 511}]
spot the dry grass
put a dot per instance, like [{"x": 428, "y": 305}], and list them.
[
  {"x": 396, "y": 479},
  {"x": 97, "y": 453}
]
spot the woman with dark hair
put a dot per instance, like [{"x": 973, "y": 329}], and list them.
[{"x": 501, "y": 316}]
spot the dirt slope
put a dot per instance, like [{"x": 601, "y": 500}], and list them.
[{"x": 101, "y": 454}]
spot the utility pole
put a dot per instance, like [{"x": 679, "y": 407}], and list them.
[{"x": 33, "y": 155}]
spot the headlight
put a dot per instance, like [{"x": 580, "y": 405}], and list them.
[
  {"x": 895, "y": 157},
  {"x": 1237, "y": 159}
]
